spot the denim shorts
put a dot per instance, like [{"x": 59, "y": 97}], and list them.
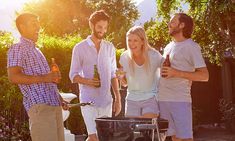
[{"x": 139, "y": 108}]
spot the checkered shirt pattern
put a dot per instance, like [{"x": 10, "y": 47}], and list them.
[{"x": 25, "y": 55}]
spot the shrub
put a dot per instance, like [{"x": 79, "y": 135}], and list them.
[
  {"x": 227, "y": 109},
  {"x": 6, "y": 40},
  {"x": 52, "y": 47},
  {"x": 61, "y": 49},
  {"x": 13, "y": 120}
]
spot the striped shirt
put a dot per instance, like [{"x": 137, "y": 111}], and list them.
[
  {"x": 25, "y": 55},
  {"x": 84, "y": 57}
]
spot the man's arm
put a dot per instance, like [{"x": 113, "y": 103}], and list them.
[
  {"x": 15, "y": 75},
  {"x": 114, "y": 83},
  {"x": 200, "y": 74},
  {"x": 117, "y": 97}
]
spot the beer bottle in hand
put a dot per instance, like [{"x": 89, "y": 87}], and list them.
[
  {"x": 166, "y": 63},
  {"x": 96, "y": 75},
  {"x": 54, "y": 68}
]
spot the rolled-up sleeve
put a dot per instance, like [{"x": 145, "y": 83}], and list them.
[
  {"x": 76, "y": 62},
  {"x": 113, "y": 63}
]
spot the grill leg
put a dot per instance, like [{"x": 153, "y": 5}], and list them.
[{"x": 154, "y": 121}]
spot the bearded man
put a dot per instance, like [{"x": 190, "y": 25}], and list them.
[
  {"x": 187, "y": 65},
  {"x": 86, "y": 54}
]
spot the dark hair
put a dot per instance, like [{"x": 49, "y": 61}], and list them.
[
  {"x": 188, "y": 24},
  {"x": 98, "y": 16},
  {"x": 22, "y": 19}
]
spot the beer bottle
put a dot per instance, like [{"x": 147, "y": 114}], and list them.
[
  {"x": 166, "y": 63},
  {"x": 54, "y": 66},
  {"x": 96, "y": 75}
]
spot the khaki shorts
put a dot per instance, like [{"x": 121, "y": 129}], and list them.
[{"x": 46, "y": 123}]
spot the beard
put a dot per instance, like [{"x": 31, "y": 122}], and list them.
[
  {"x": 174, "y": 31},
  {"x": 98, "y": 36}
]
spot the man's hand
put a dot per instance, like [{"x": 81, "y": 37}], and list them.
[
  {"x": 117, "y": 107},
  {"x": 64, "y": 105},
  {"x": 169, "y": 72},
  {"x": 93, "y": 83},
  {"x": 199, "y": 74},
  {"x": 54, "y": 77}
]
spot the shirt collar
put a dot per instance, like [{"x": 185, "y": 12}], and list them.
[
  {"x": 90, "y": 42},
  {"x": 27, "y": 41}
]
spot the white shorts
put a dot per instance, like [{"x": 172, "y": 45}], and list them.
[
  {"x": 179, "y": 116},
  {"x": 90, "y": 113}
]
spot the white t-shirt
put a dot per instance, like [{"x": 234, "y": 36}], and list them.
[
  {"x": 185, "y": 56},
  {"x": 142, "y": 85}
]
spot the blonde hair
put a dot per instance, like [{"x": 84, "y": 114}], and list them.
[{"x": 140, "y": 32}]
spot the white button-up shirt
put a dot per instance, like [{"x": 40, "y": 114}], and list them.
[{"x": 84, "y": 57}]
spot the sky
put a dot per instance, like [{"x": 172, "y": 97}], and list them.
[{"x": 7, "y": 14}]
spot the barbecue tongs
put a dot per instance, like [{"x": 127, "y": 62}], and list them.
[{"x": 81, "y": 104}]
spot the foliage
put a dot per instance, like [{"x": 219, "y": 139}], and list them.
[
  {"x": 13, "y": 122},
  {"x": 157, "y": 36},
  {"x": 11, "y": 97},
  {"x": 227, "y": 108},
  {"x": 6, "y": 40},
  {"x": 13, "y": 131},
  {"x": 118, "y": 55},
  {"x": 60, "y": 49},
  {"x": 123, "y": 13},
  {"x": 11, "y": 125},
  {"x": 56, "y": 16},
  {"x": 212, "y": 25},
  {"x": 60, "y": 17},
  {"x": 75, "y": 121}
]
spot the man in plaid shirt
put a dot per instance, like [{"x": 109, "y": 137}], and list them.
[{"x": 28, "y": 68}]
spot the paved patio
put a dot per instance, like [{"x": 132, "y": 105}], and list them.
[
  {"x": 213, "y": 133},
  {"x": 204, "y": 133}
]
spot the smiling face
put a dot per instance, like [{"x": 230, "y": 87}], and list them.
[
  {"x": 135, "y": 43},
  {"x": 99, "y": 29},
  {"x": 174, "y": 26},
  {"x": 30, "y": 29}
]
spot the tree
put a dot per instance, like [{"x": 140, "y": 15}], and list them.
[
  {"x": 60, "y": 17},
  {"x": 214, "y": 25},
  {"x": 123, "y": 14}
]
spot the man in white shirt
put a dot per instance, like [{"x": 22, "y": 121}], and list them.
[
  {"x": 187, "y": 65},
  {"x": 96, "y": 51}
]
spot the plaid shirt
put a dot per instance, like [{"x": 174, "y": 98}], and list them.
[{"x": 25, "y": 55}]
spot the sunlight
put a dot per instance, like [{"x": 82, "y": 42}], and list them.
[
  {"x": 8, "y": 8},
  {"x": 137, "y": 1},
  {"x": 12, "y": 4}
]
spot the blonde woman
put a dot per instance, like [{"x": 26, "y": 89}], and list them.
[{"x": 141, "y": 64}]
